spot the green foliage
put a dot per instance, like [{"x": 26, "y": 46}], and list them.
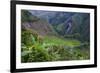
[
  {"x": 73, "y": 36},
  {"x": 59, "y": 47},
  {"x": 27, "y": 38},
  {"x": 38, "y": 54},
  {"x": 35, "y": 48}
]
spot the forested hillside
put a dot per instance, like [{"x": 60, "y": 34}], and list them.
[{"x": 54, "y": 36}]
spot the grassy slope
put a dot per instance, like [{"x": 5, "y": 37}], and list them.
[
  {"x": 60, "y": 41},
  {"x": 52, "y": 48}
]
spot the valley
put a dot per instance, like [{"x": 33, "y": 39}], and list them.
[{"x": 54, "y": 36}]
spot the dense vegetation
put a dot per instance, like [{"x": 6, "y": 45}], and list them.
[{"x": 36, "y": 47}]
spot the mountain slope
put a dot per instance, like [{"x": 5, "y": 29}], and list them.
[
  {"x": 41, "y": 26},
  {"x": 64, "y": 23}
]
